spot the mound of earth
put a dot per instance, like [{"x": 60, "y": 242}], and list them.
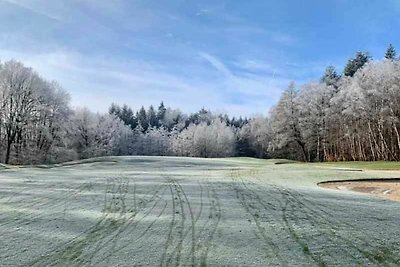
[{"x": 389, "y": 188}]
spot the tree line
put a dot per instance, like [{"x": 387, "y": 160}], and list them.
[
  {"x": 349, "y": 116},
  {"x": 38, "y": 125}
]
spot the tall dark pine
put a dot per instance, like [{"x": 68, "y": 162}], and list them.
[
  {"x": 152, "y": 117},
  {"x": 161, "y": 114},
  {"x": 356, "y": 63},
  {"x": 127, "y": 116},
  {"x": 142, "y": 119},
  {"x": 114, "y": 109},
  {"x": 124, "y": 113},
  {"x": 390, "y": 53}
]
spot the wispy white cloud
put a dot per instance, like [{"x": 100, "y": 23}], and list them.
[
  {"x": 256, "y": 65},
  {"x": 36, "y": 6},
  {"x": 138, "y": 52},
  {"x": 98, "y": 82},
  {"x": 244, "y": 29},
  {"x": 247, "y": 83},
  {"x": 217, "y": 64}
]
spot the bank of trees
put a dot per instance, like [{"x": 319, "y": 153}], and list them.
[
  {"x": 354, "y": 115},
  {"x": 37, "y": 125},
  {"x": 33, "y": 115}
]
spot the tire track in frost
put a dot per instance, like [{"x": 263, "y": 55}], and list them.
[
  {"x": 196, "y": 219},
  {"x": 45, "y": 198},
  {"x": 200, "y": 240},
  {"x": 302, "y": 240},
  {"x": 246, "y": 200},
  {"x": 128, "y": 230},
  {"x": 171, "y": 228},
  {"x": 12, "y": 194},
  {"x": 103, "y": 218},
  {"x": 290, "y": 219},
  {"x": 108, "y": 247},
  {"x": 117, "y": 204},
  {"x": 281, "y": 212},
  {"x": 340, "y": 242},
  {"x": 41, "y": 203},
  {"x": 374, "y": 255},
  {"x": 24, "y": 182},
  {"x": 115, "y": 216},
  {"x": 172, "y": 252},
  {"x": 215, "y": 212},
  {"x": 205, "y": 235},
  {"x": 336, "y": 224},
  {"x": 178, "y": 248},
  {"x": 27, "y": 220},
  {"x": 72, "y": 251},
  {"x": 193, "y": 223}
]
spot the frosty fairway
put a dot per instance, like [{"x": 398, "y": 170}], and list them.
[{"x": 158, "y": 211}]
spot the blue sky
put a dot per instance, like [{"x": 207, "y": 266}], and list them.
[{"x": 229, "y": 56}]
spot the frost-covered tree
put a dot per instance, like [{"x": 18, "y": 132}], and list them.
[
  {"x": 38, "y": 125},
  {"x": 330, "y": 77},
  {"x": 210, "y": 141},
  {"x": 19, "y": 98},
  {"x": 174, "y": 119},
  {"x": 357, "y": 119},
  {"x": 314, "y": 104},
  {"x": 156, "y": 142},
  {"x": 285, "y": 123},
  {"x": 96, "y": 135},
  {"x": 32, "y": 114},
  {"x": 255, "y": 138},
  {"x": 202, "y": 115}
]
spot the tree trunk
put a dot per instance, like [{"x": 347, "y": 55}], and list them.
[
  {"x": 303, "y": 150},
  {"x": 8, "y": 151}
]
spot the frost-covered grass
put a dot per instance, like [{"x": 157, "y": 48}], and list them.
[
  {"x": 166, "y": 211},
  {"x": 367, "y": 165}
]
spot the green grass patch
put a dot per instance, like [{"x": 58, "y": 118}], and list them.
[{"x": 365, "y": 165}]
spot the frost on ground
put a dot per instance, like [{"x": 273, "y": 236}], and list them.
[{"x": 157, "y": 211}]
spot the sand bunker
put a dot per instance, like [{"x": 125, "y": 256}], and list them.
[{"x": 389, "y": 188}]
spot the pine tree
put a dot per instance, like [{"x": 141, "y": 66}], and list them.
[
  {"x": 127, "y": 116},
  {"x": 152, "y": 117},
  {"x": 124, "y": 113},
  {"x": 330, "y": 76},
  {"x": 114, "y": 109},
  {"x": 142, "y": 119},
  {"x": 161, "y": 114},
  {"x": 356, "y": 63},
  {"x": 390, "y": 52}
]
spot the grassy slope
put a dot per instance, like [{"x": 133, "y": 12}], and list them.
[{"x": 178, "y": 211}]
